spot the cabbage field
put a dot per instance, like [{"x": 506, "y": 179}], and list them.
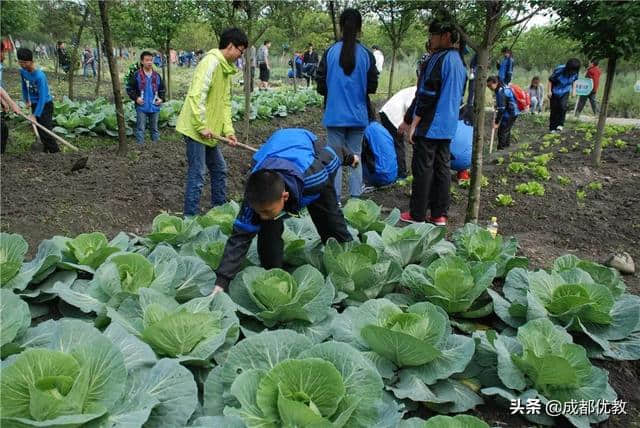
[
  {"x": 378, "y": 332},
  {"x": 98, "y": 117}
]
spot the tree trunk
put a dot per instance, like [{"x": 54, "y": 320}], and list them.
[
  {"x": 164, "y": 71},
  {"x": 394, "y": 50},
  {"x": 332, "y": 12},
  {"x": 74, "y": 54},
  {"x": 115, "y": 80},
  {"x": 602, "y": 117},
  {"x": 99, "y": 64},
  {"x": 168, "y": 81},
  {"x": 295, "y": 72}
]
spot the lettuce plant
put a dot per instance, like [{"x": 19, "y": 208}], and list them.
[
  {"x": 356, "y": 270},
  {"x": 414, "y": 349},
  {"x": 191, "y": 332},
  {"x": 543, "y": 362},
  {"x": 280, "y": 378},
  {"x": 222, "y": 216},
  {"x": 531, "y": 188},
  {"x": 572, "y": 298},
  {"x": 476, "y": 244},
  {"x": 274, "y": 296},
  {"x": 70, "y": 374},
  {"x": 453, "y": 284},
  {"x": 364, "y": 215}
]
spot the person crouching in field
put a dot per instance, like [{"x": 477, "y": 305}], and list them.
[
  {"x": 146, "y": 89},
  {"x": 507, "y": 110},
  {"x": 292, "y": 170},
  {"x": 35, "y": 93},
  {"x": 207, "y": 112}
]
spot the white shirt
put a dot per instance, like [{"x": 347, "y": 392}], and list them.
[
  {"x": 377, "y": 54},
  {"x": 398, "y": 104}
]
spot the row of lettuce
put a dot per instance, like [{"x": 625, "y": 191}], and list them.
[
  {"x": 73, "y": 118},
  {"x": 360, "y": 334}
]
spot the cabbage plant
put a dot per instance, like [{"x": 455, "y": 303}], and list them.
[
  {"x": 414, "y": 349},
  {"x": 12, "y": 250},
  {"x": 274, "y": 296},
  {"x": 280, "y": 378},
  {"x": 91, "y": 249},
  {"x": 477, "y": 244},
  {"x": 70, "y": 374},
  {"x": 364, "y": 215},
  {"x": 442, "y": 421},
  {"x": 222, "y": 216},
  {"x": 356, "y": 270},
  {"x": 543, "y": 362},
  {"x": 410, "y": 244},
  {"x": 15, "y": 317},
  {"x": 173, "y": 230},
  {"x": 190, "y": 332},
  {"x": 208, "y": 245},
  {"x": 571, "y": 298},
  {"x": 453, "y": 284}
]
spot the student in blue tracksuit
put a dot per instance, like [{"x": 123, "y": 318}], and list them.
[
  {"x": 432, "y": 121},
  {"x": 505, "y": 67},
  {"x": 292, "y": 170},
  {"x": 146, "y": 90},
  {"x": 346, "y": 75},
  {"x": 36, "y": 95},
  {"x": 562, "y": 82},
  {"x": 507, "y": 110}
]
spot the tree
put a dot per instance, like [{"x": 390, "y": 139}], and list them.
[
  {"x": 115, "y": 81},
  {"x": 396, "y": 18},
  {"x": 76, "y": 42},
  {"x": 494, "y": 15},
  {"x": 161, "y": 21},
  {"x": 591, "y": 24}
]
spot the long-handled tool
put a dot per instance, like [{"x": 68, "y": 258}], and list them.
[
  {"x": 228, "y": 141},
  {"x": 493, "y": 132},
  {"x": 79, "y": 164}
]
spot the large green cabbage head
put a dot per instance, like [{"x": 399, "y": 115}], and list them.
[
  {"x": 275, "y": 296},
  {"x": 91, "y": 249},
  {"x": 173, "y": 230},
  {"x": 453, "y": 284},
  {"x": 222, "y": 216},
  {"x": 364, "y": 215},
  {"x": 12, "y": 250}
]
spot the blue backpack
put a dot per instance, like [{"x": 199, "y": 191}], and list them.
[{"x": 379, "y": 162}]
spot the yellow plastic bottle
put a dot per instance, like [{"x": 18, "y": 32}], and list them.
[{"x": 492, "y": 227}]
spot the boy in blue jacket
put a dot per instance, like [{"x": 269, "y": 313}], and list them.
[
  {"x": 36, "y": 95},
  {"x": 506, "y": 110},
  {"x": 292, "y": 170},
  {"x": 505, "y": 67},
  {"x": 146, "y": 89}
]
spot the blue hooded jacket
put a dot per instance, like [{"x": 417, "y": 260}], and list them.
[
  {"x": 561, "y": 82},
  {"x": 505, "y": 71},
  {"x": 507, "y": 106},
  {"x": 439, "y": 94},
  {"x": 379, "y": 164},
  {"x": 346, "y": 100}
]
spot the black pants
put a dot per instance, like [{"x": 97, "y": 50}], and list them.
[
  {"x": 46, "y": 120},
  {"x": 253, "y": 74},
  {"x": 504, "y": 132},
  {"x": 583, "y": 100},
  {"x": 326, "y": 216},
  {"x": 398, "y": 144},
  {"x": 558, "y": 108},
  {"x": 431, "y": 167},
  {"x": 5, "y": 133}
]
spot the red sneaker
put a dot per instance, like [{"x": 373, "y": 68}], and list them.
[
  {"x": 438, "y": 221},
  {"x": 406, "y": 217},
  {"x": 464, "y": 175}
]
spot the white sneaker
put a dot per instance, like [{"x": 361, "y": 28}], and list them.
[
  {"x": 368, "y": 189},
  {"x": 560, "y": 128}
]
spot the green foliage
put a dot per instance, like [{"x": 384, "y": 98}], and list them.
[
  {"x": 581, "y": 195},
  {"x": 531, "y": 188},
  {"x": 517, "y": 167},
  {"x": 595, "y": 185},
  {"x": 541, "y": 172},
  {"x": 222, "y": 216},
  {"x": 504, "y": 200},
  {"x": 364, "y": 215},
  {"x": 562, "y": 180},
  {"x": 12, "y": 251},
  {"x": 620, "y": 144},
  {"x": 563, "y": 150},
  {"x": 500, "y": 160}
]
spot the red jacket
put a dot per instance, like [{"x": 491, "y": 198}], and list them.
[{"x": 594, "y": 73}]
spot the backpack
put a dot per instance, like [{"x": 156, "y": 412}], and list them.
[
  {"x": 130, "y": 75},
  {"x": 523, "y": 99},
  {"x": 379, "y": 164}
]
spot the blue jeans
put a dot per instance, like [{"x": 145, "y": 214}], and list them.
[
  {"x": 85, "y": 68},
  {"x": 141, "y": 123},
  {"x": 351, "y": 138},
  {"x": 199, "y": 156}
]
